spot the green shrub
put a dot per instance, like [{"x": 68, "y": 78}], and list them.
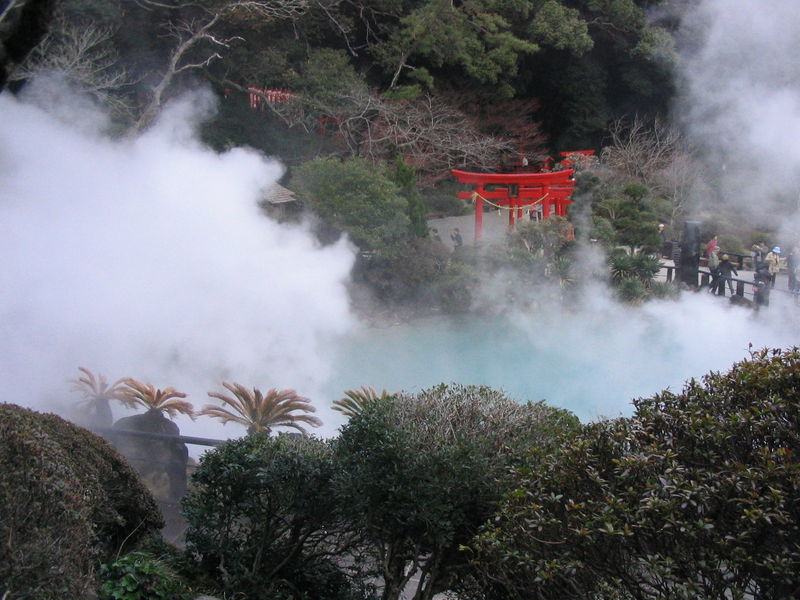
[
  {"x": 356, "y": 197},
  {"x": 694, "y": 496},
  {"x": 452, "y": 289},
  {"x": 67, "y": 499},
  {"x": 631, "y": 290},
  {"x": 262, "y": 520},
  {"x": 406, "y": 274},
  {"x": 140, "y": 576},
  {"x": 642, "y": 267}
]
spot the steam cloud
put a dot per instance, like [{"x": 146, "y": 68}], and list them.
[
  {"x": 743, "y": 101},
  {"x": 149, "y": 258}
]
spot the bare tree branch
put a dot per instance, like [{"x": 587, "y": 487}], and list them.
[
  {"x": 338, "y": 25},
  {"x": 154, "y": 4},
  {"x": 193, "y": 34},
  {"x": 11, "y": 6},
  {"x": 269, "y": 9},
  {"x": 430, "y": 134},
  {"x": 85, "y": 56},
  {"x": 639, "y": 150},
  {"x": 188, "y": 36},
  {"x": 658, "y": 156}
]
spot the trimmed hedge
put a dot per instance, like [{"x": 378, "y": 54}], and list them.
[{"x": 67, "y": 501}]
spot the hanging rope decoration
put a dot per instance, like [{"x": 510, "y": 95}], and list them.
[{"x": 476, "y": 195}]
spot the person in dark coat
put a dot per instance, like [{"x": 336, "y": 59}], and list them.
[
  {"x": 761, "y": 285},
  {"x": 458, "y": 241},
  {"x": 725, "y": 272}
]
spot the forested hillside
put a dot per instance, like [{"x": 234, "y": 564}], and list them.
[{"x": 375, "y": 78}]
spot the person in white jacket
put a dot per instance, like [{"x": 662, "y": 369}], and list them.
[{"x": 773, "y": 260}]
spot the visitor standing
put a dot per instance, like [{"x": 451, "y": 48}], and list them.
[
  {"x": 457, "y": 239},
  {"x": 713, "y": 267},
  {"x": 665, "y": 245},
  {"x": 725, "y": 272},
  {"x": 758, "y": 251},
  {"x": 712, "y": 248},
  {"x": 773, "y": 260},
  {"x": 761, "y": 283}
]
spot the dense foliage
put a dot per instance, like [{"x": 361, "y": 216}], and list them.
[
  {"x": 367, "y": 100},
  {"x": 351, "y": 197},
  {"x": 419, "y": 474},
  {"x": 263, "y": 522},
  {"x": 67, "y": 500},
  {"x": 453, "y": 488},
  {"x": 409, "y": 480},
  {"x": 695, "y": 496},
  {"x": 584, "y": 62}
]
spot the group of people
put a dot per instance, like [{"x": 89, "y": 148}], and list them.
[
  {"x": 721, "y": 267},
  {"x": 766, "y": 264},
  {"x": 455, "y": 237}
]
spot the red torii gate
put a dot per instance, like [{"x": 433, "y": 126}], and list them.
[{"x": 550, "y": 190}]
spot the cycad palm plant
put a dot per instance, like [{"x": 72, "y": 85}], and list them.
[
  {"x": 262, "y": 411},
  {"x": 147, "y": 395},
  {"x": 97, "y": 393},
  {"x": 633, "y": 266},
  {"x": 355, "y": 401}
]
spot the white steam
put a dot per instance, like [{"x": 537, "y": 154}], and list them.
[
  {"x": 743, "y": 101},
  {"x": 592, "y": 358},
  {"x": 149, "y": 258}
]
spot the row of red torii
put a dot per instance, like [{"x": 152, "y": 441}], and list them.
[{"x": 546, "y": 192}]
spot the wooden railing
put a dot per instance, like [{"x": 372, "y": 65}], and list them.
[{"x": 743, "y": 287}]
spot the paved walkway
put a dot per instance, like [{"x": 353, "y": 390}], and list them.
[{"x": 495, "y": 226}]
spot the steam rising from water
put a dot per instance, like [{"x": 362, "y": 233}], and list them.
[
  {"x": 741, "y": 104},
  {"x": 149, "y": 258},
  {"x": 743, "y": 101},
  {"x": 592, "y": 360}
]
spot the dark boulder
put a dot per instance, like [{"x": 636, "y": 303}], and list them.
[{"x": 161, "y": 462}]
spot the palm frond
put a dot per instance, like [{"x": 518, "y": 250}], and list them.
[
  {"x": 355, "y": 401},
  {"x": 261, "y": 412},
  {"x": 97, "y": 389},
  {"x": 152, "y": 398}
]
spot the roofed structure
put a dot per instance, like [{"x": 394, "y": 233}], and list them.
[{"x": 278, "y": 201}]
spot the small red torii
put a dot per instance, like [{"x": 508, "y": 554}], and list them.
[
  {"x": 260, "y": 97},
  {"x": 550, "y": 190}
]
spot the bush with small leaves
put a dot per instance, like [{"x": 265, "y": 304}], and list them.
[
  {"x": 262, "y": 520},
  {"x": 67, "y": 499},
  {"x": 141, "y": 576},
  {"x": 695, "y": 496}
]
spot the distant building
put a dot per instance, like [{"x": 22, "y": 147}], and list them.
[{"x": 280, "y": 203}]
